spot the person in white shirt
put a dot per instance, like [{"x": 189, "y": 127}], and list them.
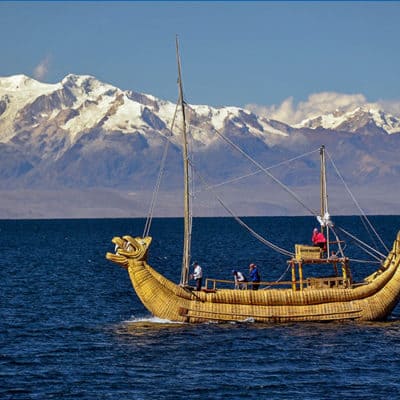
[
  {"x": 197, "y": 275},
  {"x": 239, "y": 279}
]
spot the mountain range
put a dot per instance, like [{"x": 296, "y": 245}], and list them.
[{"x": 82, "y": 147}]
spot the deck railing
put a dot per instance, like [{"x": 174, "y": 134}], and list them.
[
  {"x": 317, "y": 283},
  {"x": 213, "y": 284}
]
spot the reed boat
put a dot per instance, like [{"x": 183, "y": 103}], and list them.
[{"x": 336, "y": 297}]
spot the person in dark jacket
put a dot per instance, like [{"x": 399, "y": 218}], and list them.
[{"x": 254, "y": 276}]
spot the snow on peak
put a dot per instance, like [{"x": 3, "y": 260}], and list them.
[
  {"x": 14, "y": 82},
  {"x": 353, "y": 119},
  {"x": 16, "y": 92},
  {"x": 87, "y": 86},
  {"x": 81, "y": 102},
  {"x": 23, "y": 83},
  {"x": 77, "y": 79}
]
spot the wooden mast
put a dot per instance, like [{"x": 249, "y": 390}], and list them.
[
  {"x": 186, "y": 198},
  {"x": 324, "y": 197}
]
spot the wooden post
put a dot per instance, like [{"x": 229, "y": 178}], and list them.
[
  {"x": 344, "y": 272},
  {"x": 293, "y": 275},
  {"x": 301, "y": 275},
  {"x": 335, "y": 268}
]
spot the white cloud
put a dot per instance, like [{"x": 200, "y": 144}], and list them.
[
  {"x": 317, "y": 104},
  {"x": 42, "y": 68}
]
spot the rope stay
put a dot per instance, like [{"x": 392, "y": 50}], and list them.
[
  {"x": 365, "y": 261},
  {"x": 363, "y": 215},
  {"x": 364, "y": 246},
  {"x": 260, "y": 170},
  {"x": 340, "y": 249},
  {"x": 265, "y": 170},
  {"x": 280, "y": 278},
  {"x": 156, "y": 189},
  {"x": 241, "y": 222}
]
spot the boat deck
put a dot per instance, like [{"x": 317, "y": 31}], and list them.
[{"x": 337, "y": 280}]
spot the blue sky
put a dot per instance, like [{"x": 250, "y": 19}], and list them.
[{"x": 233, "y": 52}]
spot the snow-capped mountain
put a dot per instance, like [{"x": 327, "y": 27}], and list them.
[
  {"x": 83, "y": 133},
  {"x": 361, "y": 118},
  {"x": 79, "y": 104}
]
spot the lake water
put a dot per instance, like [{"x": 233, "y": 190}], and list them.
[{"x": 71, "y": 326}]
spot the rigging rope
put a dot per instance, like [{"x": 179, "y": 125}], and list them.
[
  {"x": 260, "y": 170},
  {"x": 242, "y": 223},
  {"x": 337, "y": 240},
  {"x": 276, "y": 180},
  {"x": 158, "y": 182},
  {"x": 361, "y": 243},
  {"x": 357, "y": 204},
  {"x": 364, "y": 261},
  {"x": 280, "y": 278}
]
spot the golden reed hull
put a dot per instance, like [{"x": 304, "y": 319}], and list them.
[{"x": 164, "y": 299}]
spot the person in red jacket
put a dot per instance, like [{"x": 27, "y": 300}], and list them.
[{"x": 318, "y": 239}]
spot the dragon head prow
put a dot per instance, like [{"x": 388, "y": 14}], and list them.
[{"x": 127, "y": 248}]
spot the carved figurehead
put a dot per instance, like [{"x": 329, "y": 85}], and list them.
[{"x": 129, "y": 249}]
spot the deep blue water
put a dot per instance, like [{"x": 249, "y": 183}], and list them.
[{"x": 71, "y": 326}]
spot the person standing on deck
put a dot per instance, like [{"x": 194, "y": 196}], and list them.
[
  {"x": 254, "y": 276},
  {"x": 239, "y": 279},
  {"x": 197, "y": 275}
]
